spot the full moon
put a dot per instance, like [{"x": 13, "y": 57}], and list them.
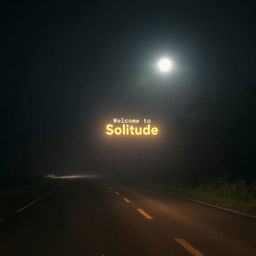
[{"x": 164, "y": 64}]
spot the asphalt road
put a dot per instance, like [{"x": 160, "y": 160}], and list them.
[{"x": 97, "y": 217}]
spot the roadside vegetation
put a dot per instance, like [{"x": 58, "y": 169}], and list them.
[
  {"x": 236, "y": 195},
  {"x": 50, "y": 176}
]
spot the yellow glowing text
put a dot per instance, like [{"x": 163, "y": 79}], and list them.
[{"x": 127, "y": 129}]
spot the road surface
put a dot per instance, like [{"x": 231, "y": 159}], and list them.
[{"x": 99, "y": 217}]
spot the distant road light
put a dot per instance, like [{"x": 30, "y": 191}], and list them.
[{"x": 164, "y": 65}]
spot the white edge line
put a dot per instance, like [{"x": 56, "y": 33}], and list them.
[
  {"x": 208, "y": 204},
  {"x": 31, "y": 203}
]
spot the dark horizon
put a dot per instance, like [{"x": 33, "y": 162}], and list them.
[{"x": 69, "y": 68}]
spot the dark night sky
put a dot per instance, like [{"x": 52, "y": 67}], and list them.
[{"x": 69, "y": 66}]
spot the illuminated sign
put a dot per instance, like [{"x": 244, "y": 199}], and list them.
[{"x": 131, "y": 127}]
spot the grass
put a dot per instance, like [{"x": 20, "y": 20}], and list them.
[
  {"x": 50, "y": 176},
  {"x": 236, "y": 195}
]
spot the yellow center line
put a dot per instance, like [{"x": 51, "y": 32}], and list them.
[
  {"x": 126, "y": 200},
  {"x": 147, "y": 216},
  {"x": 188, "y": 247},
  {"x": 117, "y": 193}
]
